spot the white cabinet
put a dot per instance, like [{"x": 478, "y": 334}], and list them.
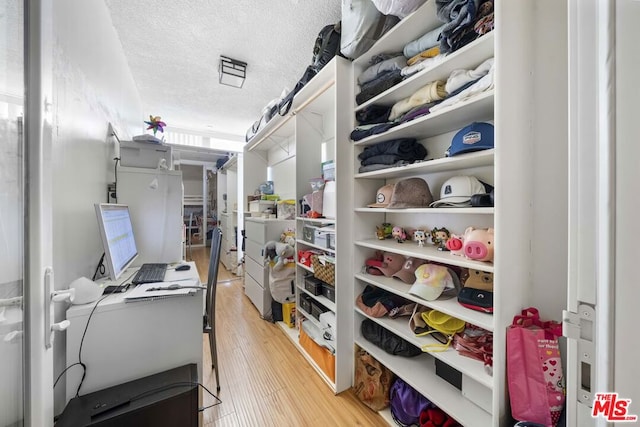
[
  {"x": 259, "y": 231},
  {"x": 527, "y": 269},
  {"x": 155, "y": 202}
]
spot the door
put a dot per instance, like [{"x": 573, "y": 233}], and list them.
[
  {"x": 26, "y": 371},
  {"x": 12, "y": 198}
]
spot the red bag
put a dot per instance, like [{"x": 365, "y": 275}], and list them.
[{"x": 534, "y": 369}]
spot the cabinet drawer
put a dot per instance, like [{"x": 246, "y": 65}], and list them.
[
  {"x": 254, "y": 250},
  {"x": 255, "y": 231},
  {"x": 259, "y": 296},
  {"x": 256, "y": 270}
]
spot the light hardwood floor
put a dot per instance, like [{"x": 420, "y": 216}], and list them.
[{"x": 264, "y": 379}]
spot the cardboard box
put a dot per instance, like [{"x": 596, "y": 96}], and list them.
[{"x": 138, "y": 154}]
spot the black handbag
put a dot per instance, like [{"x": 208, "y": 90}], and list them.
[
  {"x": 476, "y": 299},
  {"x": 285, "y": 104},
  {"x": 386, "y": 340}
]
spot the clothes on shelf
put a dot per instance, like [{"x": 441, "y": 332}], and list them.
[{"x": 392, "y": 153}]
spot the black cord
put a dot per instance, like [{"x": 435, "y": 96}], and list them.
[
  {"x": 63, "y": 372},
  {"x": 99, "y": 267},
  {"x": 115, "y": 173},
  {"x": 84, "y": 367}
]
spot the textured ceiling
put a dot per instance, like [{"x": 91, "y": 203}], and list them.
[{"x": 173, "y": 48}]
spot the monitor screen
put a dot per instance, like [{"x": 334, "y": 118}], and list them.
[{"x": 117, "y": 237}]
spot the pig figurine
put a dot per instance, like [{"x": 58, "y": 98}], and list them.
[
  {"x": 455, "y": 244},
  {"x": 478, "y": 244}
]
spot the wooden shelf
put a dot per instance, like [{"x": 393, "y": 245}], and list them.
[
  {"x": 445, "y": 164},
  {"x": 470, "y": 367},
  {"x": 468, "y": 57},
  {"x": 419, "y": 373},
  {"x": 477, "y": 108},
  {"x": 428, "y": 252},
  {"x": 449, "y": 306}
]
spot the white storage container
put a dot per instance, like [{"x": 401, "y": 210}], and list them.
[
  {"x": 261, "y": 206},
  {"x": 144, "y": 154},
  {"x": 329, "y": 200}
]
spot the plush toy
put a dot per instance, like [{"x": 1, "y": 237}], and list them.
[{"x": 279, "y": 254}]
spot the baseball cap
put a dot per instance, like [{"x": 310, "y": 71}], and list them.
[
  {"x": 407, "y": 272},
  {"x": 410, "y": 193},
  {"x": 457, "y": 191},
  {"x": 435, "y": 281},
  {"x": 475, "y": 137},
  {"x": 383, "y": 196},
  {"x": 391, "y": 263}
]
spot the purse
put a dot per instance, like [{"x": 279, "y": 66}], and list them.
[
  {"x": 387, "y": 340},
  {"x": 443, "y": 327},
  {"x": 476, "y": 299}
]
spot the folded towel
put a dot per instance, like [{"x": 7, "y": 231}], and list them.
[
  {"x": 433, "y": 91},
  {"x": 396, "y": 63},
  {"x": 424, "y": 42},
  {"x": 456, "y": 14},
  {"x": 425, "y": 54}
]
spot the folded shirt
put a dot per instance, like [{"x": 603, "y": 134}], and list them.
[
  {"x": 405, "y": 148},
  {"x": 429, "y": 53},
  {"x": 419, "y": 66},
  {"x": 373, "y": 114},
  {"x": 424, "y": 42},
  {"x": 395, "y": 63},
  {"x": 461, "y": 77},
  {"x": 456, "y": 14},
  {"x": 377, "y": 166},
  {"x": 375, "y": 87},
  {"x": 433, "y": 91},
  {"x": 482, "y": 85},
  {"x": 414, "y": 113},
  {"x": 361, "y": 132}
]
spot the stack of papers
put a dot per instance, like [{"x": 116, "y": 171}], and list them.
[{"x": 160, "y": 290}]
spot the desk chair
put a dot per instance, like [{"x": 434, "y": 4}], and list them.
[{"x": 210, "y": 305}]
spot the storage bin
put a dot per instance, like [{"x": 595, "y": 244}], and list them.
[
  {"x": 323, "y": 357},
  {"x": 305, "y": 303},
  {"x": 331, "y": 241},
  {"x": 261, "y": 205},
  {"x": 477, "y": 393},
  {"x": 325, "y": 272},
  {"x": 308, "y": 233},
  {"x": 329, "y": 292},
  {"x": 317, "y": 309},
  {"x": 320, "y": 238},
  {"x": 449, "y": 374},
  {"x": 286, "y": 209},
  {"x": 313, "y": 285}
]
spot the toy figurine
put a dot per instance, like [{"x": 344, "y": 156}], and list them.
[
  {"x": 439, "y": 237},
  {"x": 419, "y": 236},
  {"x": 384, "y": 231},
  {"x": 399, "y": 234}
]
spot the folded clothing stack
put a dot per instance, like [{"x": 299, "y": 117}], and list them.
[
  {"x": 395, "y": 152},
  {"x": 465, "y": 21}
]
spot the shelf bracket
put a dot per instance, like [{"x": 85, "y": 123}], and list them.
[
  {"x": 279, "y": 143},
  {"x": 314, "y": 126}
]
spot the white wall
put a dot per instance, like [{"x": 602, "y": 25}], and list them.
[
  {"x": 92, "y": 87},
  {"x": 627, "y": 292}
]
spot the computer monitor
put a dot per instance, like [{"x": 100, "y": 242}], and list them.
[{"x": 117, "y": 237}]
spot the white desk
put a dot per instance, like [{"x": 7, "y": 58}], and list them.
[{"x": 126, "y": 341}]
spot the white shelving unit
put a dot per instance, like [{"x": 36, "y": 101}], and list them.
[
  {"x": 318, "y": 124},
  {"x": 525, "y": 267}
]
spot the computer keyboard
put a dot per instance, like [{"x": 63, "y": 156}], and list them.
[{"x": 150, "y": 273}]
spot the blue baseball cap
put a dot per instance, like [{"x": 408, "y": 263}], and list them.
[{"x": 475, "y": 137}]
